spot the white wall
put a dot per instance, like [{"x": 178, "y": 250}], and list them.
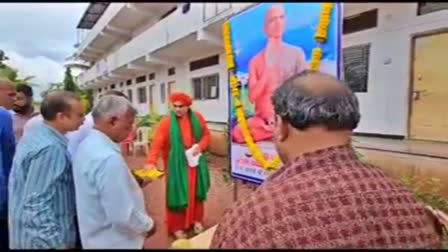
[
  {"x": 385, "y": 107},
  {"x": 213, "y": 110},
  {"x": 76, "y": 71},
  {"x": 157, "y": 36}
]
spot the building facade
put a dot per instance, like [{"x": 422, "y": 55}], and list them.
[
  {"x": 76, "y": 65},
  {"x": 151, "y": 49}
]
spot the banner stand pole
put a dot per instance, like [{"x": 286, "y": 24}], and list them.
[{"x": 235, "y": 190}]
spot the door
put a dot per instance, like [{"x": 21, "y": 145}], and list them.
[
  {"x": 152, "y": 108},
  {"x": 429, "y": 108},
  {"x": 171, "y": 87}
]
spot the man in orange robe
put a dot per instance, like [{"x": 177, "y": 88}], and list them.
[{"x": 193, "y": 133}]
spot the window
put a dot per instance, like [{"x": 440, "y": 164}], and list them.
[
  {"x": 426, "y": 8},
  {"x": 206, "y": 87},
  {"x": 151, "y": 95},
  {"x": 171, "y": 71},
  {"x": 171, "y": 87},
  {"x": 359, "y": 22},
  {"x": 152, "y": 76},
  {"x": 128, "y": 82},
  {"x": 211, "y": 10},
  {"x": 356, "y": 67},
  {"x": 112, "y": 86},
  {"x": 140, "y": 79},
  {"x": 162, "y": 93},
  {"x": 141, "y": 93},
  {"x": 130, "y": 95},
  {"x": 204, "y": 62},
  {"x": 99, "y": 90},
  {"x": 121, "y": 84}
]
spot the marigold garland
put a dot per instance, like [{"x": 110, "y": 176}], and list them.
[{"x": 320, "y": 37}]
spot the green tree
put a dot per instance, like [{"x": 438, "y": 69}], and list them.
[
  {"x": 52, "y": 87},
  {"x": 11, "y": 73},
  {"x": 69, "y": 82},
  {"x": 88, "y": 96},
  {"x": 3, "y": 57}
]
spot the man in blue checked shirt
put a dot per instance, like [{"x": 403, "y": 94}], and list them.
[
  {"x": 7, "y": 148},
  {"x": 41, "y": 188}
]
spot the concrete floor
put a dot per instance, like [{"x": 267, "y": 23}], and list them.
[
  {"x": 400, "y": 157},
  {"x": 408, "y": 147},
  {"x": 221, "y": 196}
]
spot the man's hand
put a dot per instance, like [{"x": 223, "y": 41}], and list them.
[
  {"x": 145, "y": 182},
  {"x": 149, "y": 167},
  {"x": 269, "y": 125},
  {"x": 441, "y": 216},
  {"x": 141, "y": 182},
  {"x": 196, "y": 150}
]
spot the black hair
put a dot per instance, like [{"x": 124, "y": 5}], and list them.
[
  {"x": 25, "y": 89},
  {"x": 303, "y": 107},
  {"x": 57, "y": 102}
]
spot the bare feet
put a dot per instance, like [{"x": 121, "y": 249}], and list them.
[
  {"x": 180, "y": 234},
  {"x": 198, "y": 228}
]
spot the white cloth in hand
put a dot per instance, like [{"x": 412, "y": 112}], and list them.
[{"x": 193, "y": 161}]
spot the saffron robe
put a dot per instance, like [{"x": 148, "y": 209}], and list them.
[{"x": 180, "y": 220}]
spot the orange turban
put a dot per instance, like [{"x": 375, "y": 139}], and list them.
[{"x": 184, "y": 98}]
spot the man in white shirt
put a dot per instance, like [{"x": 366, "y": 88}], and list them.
[
  {"x": 110, "y": 204},
  {"x": 74, "y": 137}
]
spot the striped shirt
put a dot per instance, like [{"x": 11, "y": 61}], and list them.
[
  {"x": 74, "y": 137},
  {"x": 41, "y": 192},
  {"x": 110, "y": 204}
]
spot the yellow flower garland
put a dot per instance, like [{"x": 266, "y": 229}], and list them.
[{"x": 320, "y": 37}]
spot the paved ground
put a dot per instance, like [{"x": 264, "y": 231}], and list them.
[{"x": 220, "y": 197}]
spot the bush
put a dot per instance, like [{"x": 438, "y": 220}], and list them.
[
  {"x": 426, "y": 190},
  {"x": 149, "y": 120}
]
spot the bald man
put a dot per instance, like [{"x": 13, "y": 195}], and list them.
[
  {"x": 324, "y": 197},
  {"x": 267, "y": 70},
  {"x": 41, "y": 189},
  {"x": 7, "y": 149}
]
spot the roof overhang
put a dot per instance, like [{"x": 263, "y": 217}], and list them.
[{"x": 92, "y": 14}]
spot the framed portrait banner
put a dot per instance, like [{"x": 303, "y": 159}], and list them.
[{"x": 272, "y": 42}]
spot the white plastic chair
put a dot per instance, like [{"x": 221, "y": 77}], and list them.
[{"x": 141, "y": 139}]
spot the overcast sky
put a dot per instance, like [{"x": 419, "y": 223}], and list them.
[{"x": 37, "y": 37}]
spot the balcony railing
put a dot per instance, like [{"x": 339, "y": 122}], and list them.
[
  {"x": 163, "y": 33},
  {"x": 211, "y": 10},
  {"x": 110, "y": 13}
]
